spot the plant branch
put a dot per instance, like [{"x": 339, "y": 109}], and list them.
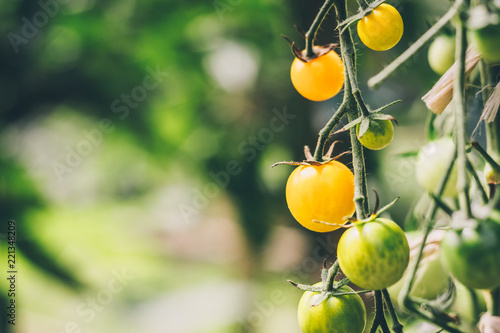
[
  {"x": 379, "y": 320},
  {"x": 325, "y": 131},
  {"x": 311, "y": 33},
  {"x": 350, "y": 87},
  {"x": 386, "y": 72},
  {"x": 397, "y": 327},
  {"x": 460, "y": 116}
]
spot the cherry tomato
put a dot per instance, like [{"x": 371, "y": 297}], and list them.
[
  {"x": 432, "y": 162},
  {"x": 441, "y": 54},
  {"x": 374, "y": 255},
  {"x": 472, "y": 254},
  {"x": 378, "y": 136},
  {"x": 320, "y": 78},
  {"x": 485, "y": 32},
  {"x": 321, "y": 192},
  {"x": 382, "y": 28},
  {"x": 336, "y": 314}
]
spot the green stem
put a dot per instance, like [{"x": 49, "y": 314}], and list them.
[
  {"x": 311, "y": 33},
  {"x": 379, "y": 320},
  {"x": 492, "y": 129},
  {"x": 332, "y": 272},
  {"x": 494, "y": 302},
  {"x": 325, "y": 131},
  {"x": 397, "y": 327},
  {"x": 352, "y": 103},
  {"x": 386, "y": 72},
  {"x": 460, "y": 116},
  {"x": 475, "y": 176},
  {"x": 486, "y": 156}
]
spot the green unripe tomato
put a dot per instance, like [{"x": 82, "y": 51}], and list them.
[
  {"x": 373, "y": 255},
  {"x": 432, "y": 162},
  {"x": 484, "y": 27},
  {"x": 378, "y": 136},
  {"x": 336, "y": 314},
  {"x": 441, "y": 54},
  {"x": 472, "y": 254}
]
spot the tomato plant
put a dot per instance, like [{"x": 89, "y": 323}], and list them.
[
  {"x": 472, "y": 253},
  {"x": 374, "y": 254},
  {"x": 433, "y": 160},
  {"x": 318, "y": 79},
  {"x": 336, "y": 314},
  {"x": 441, "y": 55},
  {"x": 321, "y": 192},
  {"x": 378, "y": 135},
  {"x": 382, "y": 28}
]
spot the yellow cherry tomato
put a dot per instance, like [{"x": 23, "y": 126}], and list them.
[
  {"x": 321, "y": 192},
  {"x": 382, "y": 28},
  {"x": 319, "y": 79}
]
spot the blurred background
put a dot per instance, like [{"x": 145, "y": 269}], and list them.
[{"x": 136, "y": 143}]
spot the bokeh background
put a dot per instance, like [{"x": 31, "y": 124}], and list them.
[{"x": 136, "y": 143}]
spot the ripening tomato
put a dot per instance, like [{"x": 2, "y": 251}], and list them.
[
  {"x": 441, "y": 55},
  {"x": 321, "y": 192},
  {"x": 336, "y": 314},
  {"x": 374, "y": 255},
  {"x": 319, "y": 79},
  {"x": 378, "y": 136},
  {"x": 382, "y": 28},
  {"x": 472, "y": 254},
  {"x": 432, "y": 162}
]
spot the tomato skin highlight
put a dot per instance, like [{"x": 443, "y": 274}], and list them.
[
  {"x": 320, "y": 78},
  {"x": 382, "y": 29},
  {"x": 472, "y": 255},
  {"x": 321, "y": 192},
  {"x": 374, "y": 255},
  {"x": 336, "y": 314},
  {"x": 378, "y": 136}
]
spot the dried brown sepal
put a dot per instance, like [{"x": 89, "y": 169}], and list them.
[
  {"x": 328, "y": 154},
  {"x": 307, "y": 154},
  {"x": 318, "y": 51}
]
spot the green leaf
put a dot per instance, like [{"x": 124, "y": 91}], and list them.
[
  {"x": 386, "y": 106},
  {"x": 365, "y": 124},
  {"x": 352, "y": 124}
]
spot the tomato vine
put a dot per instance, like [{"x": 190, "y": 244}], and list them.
[{"x": 359, "y": 115}]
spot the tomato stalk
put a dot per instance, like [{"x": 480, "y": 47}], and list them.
[
  {"x": 460, "y": 116},
  {"x": 379, "y": 320},
  {"x": 311, "y": 33},
  {"x": 397, "y": 327},
  {"x": 325, "y": 131},
  {"x": 351, "y": 90},
  {"x": 376, "y": 80}
]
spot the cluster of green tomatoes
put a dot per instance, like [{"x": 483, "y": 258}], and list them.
[{"x": 374, "y": 253}]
